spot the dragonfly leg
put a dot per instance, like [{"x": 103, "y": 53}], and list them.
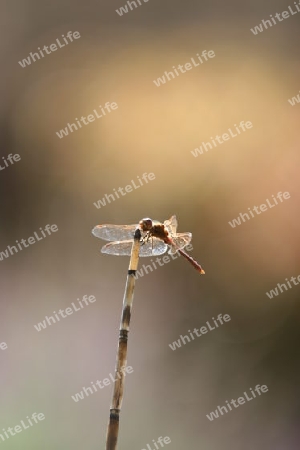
[{"x": 146, "y": 238}]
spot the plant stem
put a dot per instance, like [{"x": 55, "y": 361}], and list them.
[{"x": 113, "y": 425}]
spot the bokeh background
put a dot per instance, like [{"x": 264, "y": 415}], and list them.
[{"x": 153, "y": 130}]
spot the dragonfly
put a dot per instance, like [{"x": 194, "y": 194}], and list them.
[
  {"x": 156, "y": 239},
  {"x": 147, "y": 238}
]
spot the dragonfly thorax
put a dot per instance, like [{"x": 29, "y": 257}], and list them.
[{"x": 153, "y": 228}]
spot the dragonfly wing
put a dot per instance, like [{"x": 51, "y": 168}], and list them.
[
  {"x": 114, "y": 232},
  {"x": 118, "y": 248},
  {"x": 171, "y": 225},
  {"x": 180, "y": 240},
  {"x": 153, "y": 247}
]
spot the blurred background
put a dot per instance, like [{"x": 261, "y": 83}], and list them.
[{"x": 154, "y": 130}]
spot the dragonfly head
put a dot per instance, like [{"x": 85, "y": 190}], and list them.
[{"x": 146, "y": 224}]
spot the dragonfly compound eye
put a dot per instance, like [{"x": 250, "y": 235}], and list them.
[{"x": 146, "y": 224}]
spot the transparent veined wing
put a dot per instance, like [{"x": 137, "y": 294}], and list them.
[
  {"x": 180, "y": 240},
  {"x": 171, "y": 225},
  {"x": 153, "y": 247},
  {"x": 114, "y": 232}
]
